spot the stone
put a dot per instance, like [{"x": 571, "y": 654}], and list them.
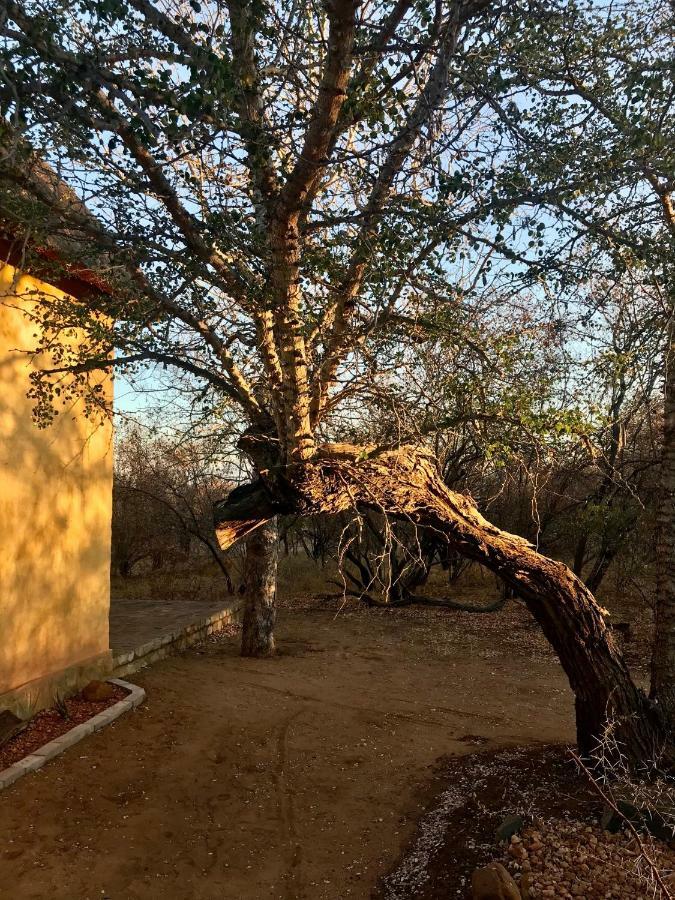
[
  {"x": 642, "y": 818},
  {"x": 493, "y": 882},
  {"x": 510, "y": 825},
  {"x": 216, "y": 756},
  {"x": 10, "y": 726},
  {"x": 97, "y": 691},
  {"x": 518, "y": 852}
]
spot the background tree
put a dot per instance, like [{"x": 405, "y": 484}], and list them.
[
  {"x": 163, "y": 501},
  {"x": 592, "y": 136}
]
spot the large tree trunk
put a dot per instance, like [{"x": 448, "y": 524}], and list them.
[
  {"x": 405, "y": 483},
  {"x": 260, "y": 585},
  {"x": 663, "y": 659}
]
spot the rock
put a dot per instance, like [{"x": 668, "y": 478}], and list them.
[
  {"x": 510, "y": 825},
  {"x": 525, "y": 885},
  {"x": 10, "y": 725},
  {"x": 643, "y": 818},
  {"x": 518, "y": 852},
  {"x": 216, "y": 756},
  {"x": 493, "y": 882},
  {"x": 96, "y": 691}
]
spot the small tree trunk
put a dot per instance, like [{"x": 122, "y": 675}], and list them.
[
  {"x": 606, "y": 557},
  {"x": 580, "y": 555},
  {"x": 663, "y": 659},
  {"x": 260, "y": 586}
]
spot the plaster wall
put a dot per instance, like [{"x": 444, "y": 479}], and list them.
[{"x": 55, "y": 522}]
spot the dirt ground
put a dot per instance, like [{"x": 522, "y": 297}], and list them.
[
  {"x": 457, "y": 832},
  {"x": 297, "y": 777}
]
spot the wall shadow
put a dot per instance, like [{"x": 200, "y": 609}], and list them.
[{"x": 55, "y": 516}]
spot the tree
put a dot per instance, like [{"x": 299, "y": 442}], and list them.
[
  {"x": 625, "y": 364},
  {"x": 269, "y": 193},
  {"x": 163, "y": 498},
  {"x": 551, "y": 425},
  {"x": 593, "y": 128}
]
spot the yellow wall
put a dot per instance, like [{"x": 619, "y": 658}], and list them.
[{"x": 55, "y": 515}]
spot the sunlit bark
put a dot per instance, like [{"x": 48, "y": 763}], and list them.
[{"x": 405, "y": 483}]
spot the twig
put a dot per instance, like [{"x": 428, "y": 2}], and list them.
[{"x": 636, "y": 834}]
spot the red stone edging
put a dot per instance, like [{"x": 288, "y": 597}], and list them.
[{"x": 38, "y": 758}]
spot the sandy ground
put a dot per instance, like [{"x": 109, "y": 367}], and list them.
[{"x": 297, "y": 777}]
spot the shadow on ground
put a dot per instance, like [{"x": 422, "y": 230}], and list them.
[{"x": 297, "y": 777}]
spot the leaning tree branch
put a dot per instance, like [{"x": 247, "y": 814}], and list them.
[{"x": 405, "y": 483}]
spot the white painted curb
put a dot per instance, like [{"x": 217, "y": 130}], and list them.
[{"x": 39, "y": 757}]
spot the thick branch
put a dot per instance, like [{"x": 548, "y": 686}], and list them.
[
  {"x": 343, "y": 304},
  {"x": 332, "y": 93},
  {"x": 405, "y": 483}
]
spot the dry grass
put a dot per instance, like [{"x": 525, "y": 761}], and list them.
[
  {"x": 299, "y": 578},
  {"x": 304, "y": 583}
]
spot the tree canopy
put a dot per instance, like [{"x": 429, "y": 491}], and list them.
[
  {"x": 282, "y": 198},
  {"x": 299, "y": 206}
]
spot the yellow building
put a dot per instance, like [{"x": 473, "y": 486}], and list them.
[{"x": 55, "y": 521}]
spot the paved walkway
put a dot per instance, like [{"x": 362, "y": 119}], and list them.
[{"x": 135, "y": 622}]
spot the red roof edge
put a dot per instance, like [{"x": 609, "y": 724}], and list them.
[{"x": 76, "y": 280}]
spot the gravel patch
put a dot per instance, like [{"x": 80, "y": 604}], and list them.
[
  {"x": 52, "y": 723},
  {"x": 571, "y": 859}
]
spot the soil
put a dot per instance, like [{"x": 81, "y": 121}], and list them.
[
  {"x": 456, "y": 833},
  {"x": 52, "y": 723},
  {"x": 559, "y": 851},
  {"x": 298, "y": 777}
]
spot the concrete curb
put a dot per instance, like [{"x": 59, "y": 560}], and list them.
[
  {"x": 128, "y": 661},
  {"x": 39, "y": 757}
]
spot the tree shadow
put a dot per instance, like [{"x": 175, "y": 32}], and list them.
[{"x": 55, "y": 510}]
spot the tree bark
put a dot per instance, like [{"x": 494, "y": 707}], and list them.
[
  {"x": 580, "y": 555},
  {"x": 405, "y": 483},
  {"x": 663, "y": 657},
  {"x": 260, "y": 586}
]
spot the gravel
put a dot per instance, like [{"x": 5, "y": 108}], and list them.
[
  {"x": 570, "y": 859},
  {"x": 51, "y": 723}
]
